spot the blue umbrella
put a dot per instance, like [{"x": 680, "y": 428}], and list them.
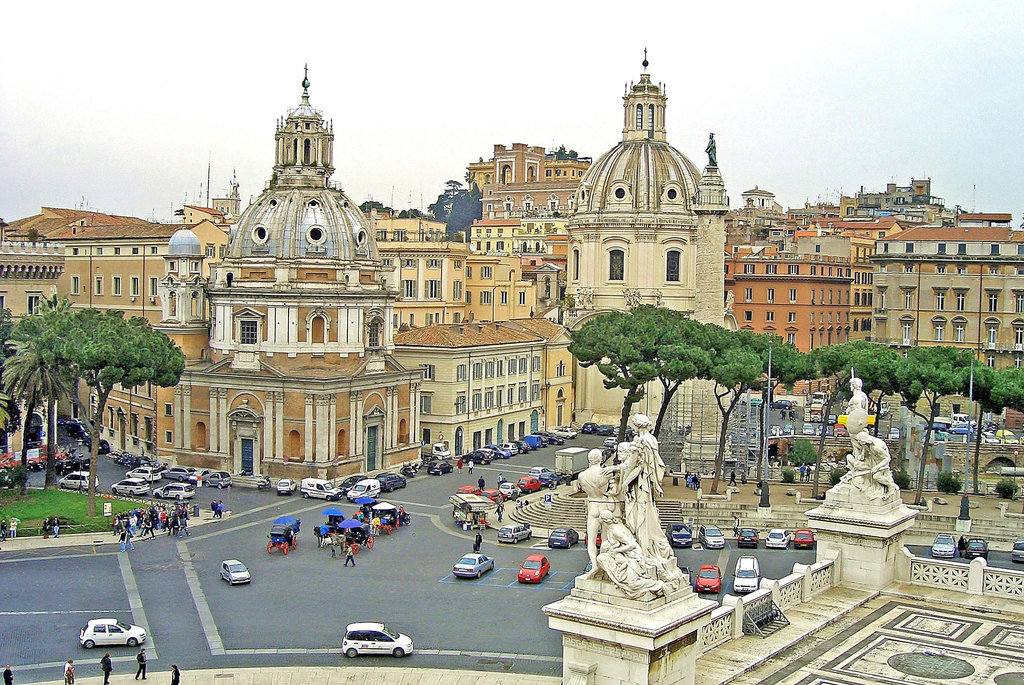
[
  {"x": 285, "y": 520},
  {"x": 365, "y": 500},
  {"x": 350, "y": 523},
  {"x": 332, "y": 512}
]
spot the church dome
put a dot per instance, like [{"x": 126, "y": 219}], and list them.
[
  {"x": 639, "y": 176},
  {"x": 184, "y": 242}
]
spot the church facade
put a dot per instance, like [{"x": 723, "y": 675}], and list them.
[{"x": 289, "y": 341}]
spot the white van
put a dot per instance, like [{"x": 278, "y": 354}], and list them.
[
  {"x": 369, "y": 487},
  {"x": 748, "y": 575},
  {"x": 319, "y": 488}
]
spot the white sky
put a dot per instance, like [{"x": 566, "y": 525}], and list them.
[{"x": 124, "y": 103}]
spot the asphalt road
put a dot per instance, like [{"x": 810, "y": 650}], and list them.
[
  {"x": 1000, "y": 559},
  {"x": 296, "y": 608}
]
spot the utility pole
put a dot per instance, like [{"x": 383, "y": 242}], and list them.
[
  {"x": 965, "y": 503},
  {"x": 766, "y": 404}
]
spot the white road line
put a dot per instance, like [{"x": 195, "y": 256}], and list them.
[
  {"x": 60, "y": 664},
  {"x": 49, "y": 556},
  {"x": 107, "y": 610},
  {"x": 135, "y": 601},
  {"x": 205, "y": 615}
]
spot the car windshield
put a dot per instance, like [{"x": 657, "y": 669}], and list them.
[
  {"x": 713, "y": 532},
  {"x": 236, "y": 568},
  {"x": 123, "y": 626},
  {"x": 976, "y": 544},
  {"x": 532, "y": 565},
  {"x": 748, "y": 531},
  {"x": 390, "y": 633},
  {"x": 1019, "y": 544},
  {"x": 744, "y": 573},
  {"x": 468, "y": 561},
  {"x": 775, "y": 535},
  {"x": 944, "y": 540},
  {"x": 708, "y": 573}
]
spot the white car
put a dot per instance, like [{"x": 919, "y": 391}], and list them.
[
  {"x": 286, "y": 486},
  {"x": 374, "y": 638},
  {"x": 747, "y": 576},
  {"x": 79, "y": 480},
  {"x": 234, "y": 571},
  {"x": 110, "y": 631},
  {"x": 130, "y": 486},
  {"x": 150, "y": 474},
  {"x": 564, "y": 433},
  {"x": 175, "y": 491},
  {"x": 509, "y": 490},
  {"x": 610, "y": 443},
  {"x": 510, "y": 447},
  {"x": 777, "y": 539},
  {"x": 537, "y": 471}
]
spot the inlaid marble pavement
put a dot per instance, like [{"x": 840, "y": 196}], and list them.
[{"x": 899, "y": 642}]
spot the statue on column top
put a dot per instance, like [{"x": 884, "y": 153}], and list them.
[{"x": 712, "y": 151}]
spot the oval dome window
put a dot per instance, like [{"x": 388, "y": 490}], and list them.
[
  {"x": 620, "y": 193},
  {"x": 316, "y": 234},
  {"x": 259, "y": 234},
  {"x": 672, "y": 194}
]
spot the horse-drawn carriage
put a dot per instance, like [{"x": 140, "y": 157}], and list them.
[{"x": 283, "y": 534}]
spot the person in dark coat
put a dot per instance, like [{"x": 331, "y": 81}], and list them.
[
  {"x": 175, "y": 675},
  {"x": 141, "y": 658},
  {"x": 8, "y": 675},
  {"x": 106, "y": 666},
  {"x": 481, "y": 482},
  {"x": 961, "y": 545},
  {"x": 477, "y": 542}
]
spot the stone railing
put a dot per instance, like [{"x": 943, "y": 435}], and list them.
[
  {"x": 975, "y": 578},
  {"x": 802, "y": 585}
]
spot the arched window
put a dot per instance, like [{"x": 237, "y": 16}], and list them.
[
  {"x": 316, "y": 330},
  {"x": 576, "y": 265},
  {"x": 403, "y": 431},
  {"x": 342, "y": 446},
  {"x": 295, "y": 151},
  {"x": 172, "y": 304},
  {"x": 531, "y": 174},
  {"x": 459, "y": 441},
  {"x": 506, "y": 174},
  {"x": 195, "y": 305},
  {"x": 616, "y": 265},
  {"x": 306, "y": 148},
  {"x": 650, "y": 120},
  {"x": 639, "y": 117},
  {"x": 199, "y": 438},
  {"x": 295, "y": 445},
  {"x": 373, "y": 333},
  {"x": 672, "y": 266}
]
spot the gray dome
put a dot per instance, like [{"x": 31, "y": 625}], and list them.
[
  {"x": 300, "y": 223},
  {"x": 184, "y": 242},
  {"x": 639, "y": 176}
]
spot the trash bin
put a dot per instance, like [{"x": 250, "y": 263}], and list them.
[{"x": 195, "y": 511}]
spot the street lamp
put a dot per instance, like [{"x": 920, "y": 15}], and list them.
[
  {"x": 965, "y": 502},
  {"x": 766, "y": 407}
]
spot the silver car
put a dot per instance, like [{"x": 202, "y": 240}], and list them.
[
  {"x": 711, "y": 537},
  {"x": 1017, "y": 553},
  {"x": 175, "y": 491},
  {"x": 944, "y": 546},
  {"x": 130, "y": 486}
]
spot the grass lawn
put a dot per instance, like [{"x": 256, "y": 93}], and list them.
[{"x": 72, "y": 506}]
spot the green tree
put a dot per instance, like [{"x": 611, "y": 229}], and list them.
[
  {"x": 104, "y": 350},
  {"x": 803, "y": 453},
  {"x": 370, "y": 205},
  {"x": 831, "y": 365},
  {"x": 985, "y": 382},
  {"x": 457, "y": 207},
  {"x": 735, "y": 366},
  {"x": 681, "y": 353},
  {"x": 926, "y": 375},
  {"x": 874, "y": 364}
]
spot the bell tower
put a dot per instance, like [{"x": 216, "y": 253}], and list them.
[
  {"x": 304, "y": 146},
  {"x": 644, "y": 104},
  {"x": 182, "y": 293}
]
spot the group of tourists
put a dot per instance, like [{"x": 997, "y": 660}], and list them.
[
  {"x": 9, "y": 529},
  {"x": 107, "y": 667}
]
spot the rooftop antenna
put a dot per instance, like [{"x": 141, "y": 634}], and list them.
[
  {"x": 209, "y": 163},
  {"x": 974, "y": 197}
]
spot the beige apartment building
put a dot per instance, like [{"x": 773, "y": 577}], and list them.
[
  {"x": 858, "y": 249},
  {"x": 524, "y": 180},
  {"x": 488, "y": 383},
  {"x": 29, "y": 274},
  {"x": 959, "y": 286}
]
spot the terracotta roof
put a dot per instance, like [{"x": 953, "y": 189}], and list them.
[
  {"x": 146, "y": 230},
  {"x": 496, "y": 222},
  {"x": 540, "y": 326},
  {"x": 986, "y": 234},
  {"x": 981, "y": 216},
  {"x": 205, "y": 210},
  {"x": 465, "y": 335},
  {"x": 51, "y": 220}
]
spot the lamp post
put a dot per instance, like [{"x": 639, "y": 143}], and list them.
[
  {"x": 965, "y": 502},
  {"x": 766, "y": 404}
]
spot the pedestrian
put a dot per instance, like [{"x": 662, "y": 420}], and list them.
[
  {"x": 69, "y": 672},
  {"x": 470, "y": 465},
  {"x": 220, "y": 508},
  {"x": 481, "y": 482},
  {"x": 123, "y": 536},
  {"x": 56, "y": 534},
  {"x": 13, "y": 529},
  {"x": 736, "y": 526},
  {"x": 8, "y": 675},
  {"x": 961, "y": 545},
  {"x": 459, "y": 464},
  {"x": 175, "y": 675},
  {"x": 106, "y": 667},
  {"x": 803, "y": 472},
  {"x": 141, "y": 658},
  {"x": 3, "y": 530},
  {"x": 732, "y": 477},
  {"x": 349, "y": 555},
  {"x": 477, "y": 542},
  {"x": 501, "y": 479}
]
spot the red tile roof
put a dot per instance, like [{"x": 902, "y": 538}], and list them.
[
  {"x": 465, "y": 335},
  {"x": 52, "y": 220},
  {"x": 986, "y": 234}
]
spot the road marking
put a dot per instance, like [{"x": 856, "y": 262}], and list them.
[
  {"x": 106, "y": 610},
  {"x": 135, "y": 601},
  {"x": 205, "y": 615},
  {"x": 47, "y": 556}
]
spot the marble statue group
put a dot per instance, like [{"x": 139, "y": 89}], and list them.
[
  {"x": 621, "y": 506},
  {"x": 869, "y": 473}
]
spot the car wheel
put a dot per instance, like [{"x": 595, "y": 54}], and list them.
[
  {"x": 88, "y": 644},
  {"x": 158, "y": 495},
  {"x": 351, "y": 653},
  {"x": 478, "y": 574},
  {"x": 398, "y": 653},
  {"x": 305, "y": 495},
  {"x": 132, "y": 642}
]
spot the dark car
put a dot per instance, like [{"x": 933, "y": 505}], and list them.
[
  {"x": 66, "y": 466},
  {"x": 390, "y": 481},
  {"x": 479, "y": 457},
  {"x": 605, "y": 430},
  {"x": 439, "y": 468},
  {"x": 104, "y": 447},
  {"x": 550, "y": 480},
  {"x": 782, "y": 405},
  {"x": 553, "y": 439},
  {"x": 563, "y": 537},
  {"x": 976, "y": 547},
  {"x": 523, "y": 446},
  {"x": 679, "y": 535},
  {"x": 349, "y": 482},
  {"x": 747, "y": 538},
  {"x": 589, "y": 427}
]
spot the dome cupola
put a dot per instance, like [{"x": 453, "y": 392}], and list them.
[{"x": 184, "y": 243}]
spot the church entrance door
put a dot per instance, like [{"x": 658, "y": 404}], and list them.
[
  {"x": 371, "y": 448},
  {"x": 247, "y": 450}
]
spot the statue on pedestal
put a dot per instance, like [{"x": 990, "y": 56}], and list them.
[
  {"x": 595, "y": 481},
  {"x": 869, "y": 474},
  {"x": 624, "y": 562},
  {"x": 712, "y": 150},
  {"x": 858, "y": 398}
]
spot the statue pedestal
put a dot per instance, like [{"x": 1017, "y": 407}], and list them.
[
  {"x": 867, "y": 533},
  {"x": 609, "y": 639}
]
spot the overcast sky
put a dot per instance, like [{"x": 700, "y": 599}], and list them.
[{"x": 125, "y": 104}]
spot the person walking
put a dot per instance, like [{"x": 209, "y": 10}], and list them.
[
  {"x": 3, "y": 530},
  {"x": 732, "y": 477},
  {"x": 8, "y": 675},
  {"x": 481, "y": 482},
  {"x": 106, "y": 666},
  {"x": 477, "y": 542},
  {"x": 736, "y": 526},
  {"x": 459, "y": 464},
  {"x": 69, "y": 672},
  {"x": 175, "y": 675},
  {"x": 501, "y": 511},
  {"x": 141, "y": 658},
  {"x": 470, "y": 465},
  {"x": 961, "y": 545},
  {"x": 349, "y": 555}
]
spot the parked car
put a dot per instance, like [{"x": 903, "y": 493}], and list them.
[
  {"x": 130, "y": 486},
  {"x": 473, "y": 565},
  {"x": 287, "y": 486},
  {"x": 514, "y": 532},
  {"x": 709, "y": 579},
  {"x": 468, "y": 490},
  {"x": 803, "y": 539},
  {"x": 944, "y": 546},
  {"x": 777, "y": 539},
  {"x": 589, "y": 427},
  {"x": 747, "y": 538},
  {"x": 104, "y": 447},
  {"x": 534, "y": 569},
  {"x": 439, "y": 468},
  {"x": 175, "y": 491},
  {"x": 391, "y": 481},
  {"x": 538, "y": 471},
  {"x": 563, "y": 537},
  {"x": 510, "y": 490},
  {"x": 551, "y": 438},
  {"x": 479, "y": 457},
  {"x": 510, "y": 447},
  {"x": 529, "y": 484},
  {"x": 374, "y": 638},
  {"x": 841, "y": 431},
  {"x": 809, "y": 429},
  {"x": 499, "y": 451},
  {"x": 535, "y": 441},
  {"x": 492, "y": 495},
  {"x": 179, "y": 473},
  {"x": 779, "y": 405},
  {"x": 524, "y": 446},
  {"x": 367, "y": 487},
  {"x": 710, "y": 537},
  {"x": 149, "y": 474},
  {"x": 79, "y": 480},
  {"x": 605, "y": 430},
  {"x": 679, "y": 535},
  {"x": 217, "y": 479},
  {"x": 610, "y": 443},
  {"x": 550, "y": 480},
  {"x": 349, "y": 482},
  {"x": 747, "y": 576},
  {"x": 110, "y": 631},
  {"x": 566, "y": 432},
  {"x": 1017, "y": 553},
  {"x": 976, "y": 547},
  {"x": 234, "y": 571},
  {"x": 1007, "y": 437},
  {"x": 894, "y": 433}
]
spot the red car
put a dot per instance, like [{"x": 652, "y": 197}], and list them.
[
  {"x": 530, "y": 484},
  {"x": 709, "y": 579},
  {"x": 534, "y": 569},
  {"x": 586, "y": 539},
  {"x": 803, "y": 538},
  {"x": 492, "y": 495},
  {"x": 468, "y": 490}
]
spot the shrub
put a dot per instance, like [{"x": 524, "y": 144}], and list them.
[
  {"x": 788, "y": 475},
  {"x": 836, "y": 474},
  {"x": 902, "y": 479},
  {"x": 949, "y": 482},
  {"x": 1006, "y": 488},
  {"x": 803, "y": 452}
]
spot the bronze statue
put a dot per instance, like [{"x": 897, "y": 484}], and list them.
[{"x": 712, "y": 151}]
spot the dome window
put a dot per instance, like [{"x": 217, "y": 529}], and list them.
[
  {"x": 259, "y": 234},
  {"x": 313, "y": 203},
  {"x": 316, "y": 235},
  {"x": 620, "y": 193},
  {"x": 361, "y": 237},
  {"x": 672, "y": 194},
  {"x": 273, "y": 203}
]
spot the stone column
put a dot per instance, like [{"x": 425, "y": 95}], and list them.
[
  {"x": 186, "y": 419},
  {"x": 332, "y": 428},
  {"x": 177, "y": 416},
  {"x": 214, "y": 425},
  {"x": 308, "y": 437},
  {"x": 352, "y": 413},
  {"x": 414, "y": 407},
  {"x": 279, "y": 425},
  {"x": 225, "y": 436},
  {"x": 357, "y": 422},
  {"x": 267, "y": 448},
  {"x": 322, "y": 428},
  {"x": 392, "y": 409}
]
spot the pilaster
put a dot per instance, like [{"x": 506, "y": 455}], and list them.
[
  {"x": 308, "y": 432},
  {"x": 186, "y": 419}
]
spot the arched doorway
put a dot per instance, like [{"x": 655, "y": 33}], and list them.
[
  {"x": 403, "y": 431},
  {"x": 534, "y": 421},
  {"x": 246, "y": 427},
  {"x": 199, "y": 437},
  {"x": 458, "y": 440},
  {"x": 501, "y": 431},
  {"x": 342, "y": 446},
  {"x": 295, "y": 445}
]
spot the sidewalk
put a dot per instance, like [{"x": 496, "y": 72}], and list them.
[{"x": 301, "y": 675}]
